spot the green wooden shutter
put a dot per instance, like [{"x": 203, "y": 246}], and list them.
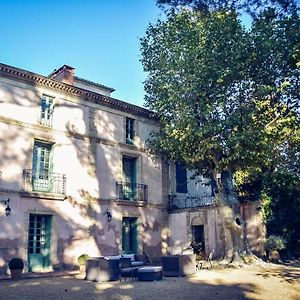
[
  {"x": 134, "y": 236},
  {"x": 181, "y": 178}
]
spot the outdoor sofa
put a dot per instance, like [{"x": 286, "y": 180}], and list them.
[{"x": 107, "y": 268}]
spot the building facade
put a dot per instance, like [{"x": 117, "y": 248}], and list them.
[{"x": 79, "y": 178}]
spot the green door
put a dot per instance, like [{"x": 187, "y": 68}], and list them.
[
  {"x": 39, "y": 236},
  {"x": 129, "y": 235},
  {"x": 129, "y": 175}
]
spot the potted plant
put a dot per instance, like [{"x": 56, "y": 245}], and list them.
[
  {"x": 273, "y": 244},
  {"x": 81, "y": 262},
  {"x": 16, "y": 266},
  {"x": 197, "y": 247}
]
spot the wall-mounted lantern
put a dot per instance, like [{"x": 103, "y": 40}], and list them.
[
  {"x": 108, "y": 215},
  {"x": 218, "y": 176},
  {"x": 7, "y": 208}
]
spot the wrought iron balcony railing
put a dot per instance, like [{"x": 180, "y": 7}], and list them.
[
  {"x": 132, "y": 191},
  {"x": 181, "y": 202},
  {"x": 44, "y": 183}
]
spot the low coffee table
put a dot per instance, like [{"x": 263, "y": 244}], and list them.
[{"x": 150, "y": 273}]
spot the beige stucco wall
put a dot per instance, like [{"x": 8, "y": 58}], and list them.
[
  {"x": 178, "y": 232},
  {"x": 77, "y": 229},
  {"x": 88, "y": 145},
  {"x": 72, "y": 120},
  {"x": 181, "y": 229}
]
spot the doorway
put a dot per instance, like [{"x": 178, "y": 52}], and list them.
[
  {"x": 198, "y": 242},
  {"x": 39, "y": 237},
  {"x": 129, "y": 235}
]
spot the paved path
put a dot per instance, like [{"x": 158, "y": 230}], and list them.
[{"x": 266, "y": 281}]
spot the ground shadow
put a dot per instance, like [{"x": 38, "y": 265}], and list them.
[
  {"x": 289, "y": 272},
  {"x": 168, "y": 288}
]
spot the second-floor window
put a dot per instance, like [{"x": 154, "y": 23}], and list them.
[
  {"x": 46, "y": 110},
  {"x": 181, "y": 178},
  {"x": 41, "y": 163},
  {"x": 130, "y": 130},
  {"x": 129, "y": 176}
]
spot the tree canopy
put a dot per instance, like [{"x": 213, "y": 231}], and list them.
[
  {"x": 227, "y": 98},
  {"x": 253, "y": 7}
]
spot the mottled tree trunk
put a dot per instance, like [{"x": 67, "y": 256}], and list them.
[{"x": 233, "y": 224}]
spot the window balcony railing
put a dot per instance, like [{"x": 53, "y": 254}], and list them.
[
  {"x": 182, "y": 202},
  {"x": 132, "y": 191},
  {"x": 44, "y": 183}
]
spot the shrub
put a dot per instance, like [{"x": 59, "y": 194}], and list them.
[
  {"x": 197, "y": 247},
  {"x": 274, "y": 242},
  {"x": 16, "y": 263},
  {"x": 82, "y": 258}
]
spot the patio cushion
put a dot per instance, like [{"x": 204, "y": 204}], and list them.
[
  {"x": 113, "y": 257},
  {"x": 150, "y": 269},
  {"x": 131, "y": 256},
  {"x": 136, "y": 263}
]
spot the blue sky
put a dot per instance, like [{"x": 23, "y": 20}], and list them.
[{"x": 100, "y": 39}]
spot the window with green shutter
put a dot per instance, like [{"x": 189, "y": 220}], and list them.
[
  {"x": 46, "y": 110},
  {"x": 129, "y": 235},
  {"x": 42, "y": 166},
  {"x": 129, "y": 175},
  {"x": 130, "y": 130},
  {"x": 181, "y": 178}
]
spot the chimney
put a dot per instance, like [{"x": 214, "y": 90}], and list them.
[{"x": 64, "y": 74}]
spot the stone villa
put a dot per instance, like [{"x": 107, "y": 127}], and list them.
[{"x": 79, "y": 178}]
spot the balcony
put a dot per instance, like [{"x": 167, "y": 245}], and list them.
[
  {"x": 132, "y": 191},
  {"x": 184, "y": 202},
  {"x": 51, "y": 183}
]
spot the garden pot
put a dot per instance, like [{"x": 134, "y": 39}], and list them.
[
  {"x": 274, "y": 256},
  {"x": 16, "y": 273}
]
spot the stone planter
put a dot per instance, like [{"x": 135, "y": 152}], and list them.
[
  {"x": 16, "y": 273},
  {"x": 16, "y": 266}
]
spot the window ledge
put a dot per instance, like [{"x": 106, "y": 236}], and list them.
[
  {"x": 45, "y": 196},
  {"x": 131, "y": 202}
]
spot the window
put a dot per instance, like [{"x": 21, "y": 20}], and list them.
[
  {"x": 129, "y": 169},
  {"x": 181, "y": 178},
  {"x": 41, "y": 166},
  {"x": 129, "y": 175},
  {"x": 46, "y": 110},
  {"x": 130, "y": 130}
]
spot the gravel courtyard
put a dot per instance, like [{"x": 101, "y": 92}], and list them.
[{"x": 266, "y": 281}]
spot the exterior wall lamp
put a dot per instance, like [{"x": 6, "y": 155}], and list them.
[
  {"x": 7, "y": 208},
  {"x": 108, "y": 215},
  {"x": 218, "y": 176}
]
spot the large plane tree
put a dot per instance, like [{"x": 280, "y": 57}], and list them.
[{"x": 226, "y": 97}]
